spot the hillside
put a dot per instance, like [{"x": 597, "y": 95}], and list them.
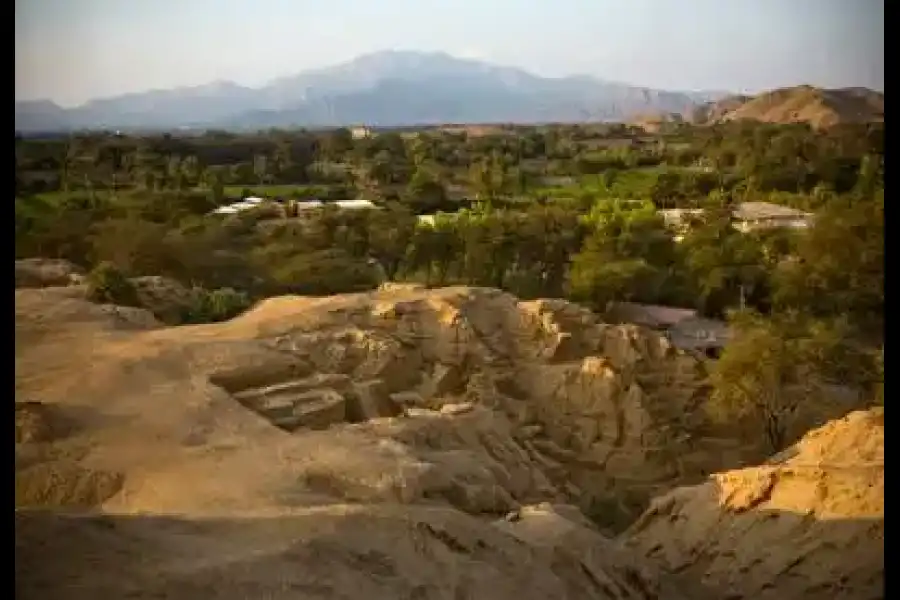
[
  {"x": 403, "y": 443},
  {"x": 381, "y": 89},
  {"x": 820, "y": 108},
  {"x": 785, "y": 529}
]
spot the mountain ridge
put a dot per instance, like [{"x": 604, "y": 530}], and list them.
[
  {"x": 403, "y": 88},
  {"x": 363, "y": 90}
]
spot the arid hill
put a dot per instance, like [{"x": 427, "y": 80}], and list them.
[
  {"x": 404, "y": 443},
  {"x": 818, "y": 107},
  {"x": 785, "y": 529}
]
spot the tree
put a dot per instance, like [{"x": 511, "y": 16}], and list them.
[
  {"x": 839, "y": 265},
  {"x": 132, "y": 245},
  {"x": 390, "y": 233},
  {"x": 596, "y": 280},
  {"x": 425, "y": 194},
  {"x": 628, "y": 255},
  {"x": 488, "y": 179},
  {"x": 727, "y": 267},
  {"x": 435, "y": 249},
  {"x": 261, "y": 168},
  {"x": 324, "y": 272},
  {"x": 489, "y": 247},
  {"x": 768, "y": 369},
  {"x": 334, "y": 144}
]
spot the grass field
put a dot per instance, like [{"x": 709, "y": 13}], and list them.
[{"x": 631, "y": 183}]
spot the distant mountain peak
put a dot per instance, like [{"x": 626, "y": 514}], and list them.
[{"x": 388, "y": 87}]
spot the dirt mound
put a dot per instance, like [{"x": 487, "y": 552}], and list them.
[
  {"x": 46, "y": 272},
  {"x": 809, "y": 524},
  {"x": 818, "y": 107},
  {"x": 338, "y": 551},
  {"x": 602, "y": 415},
  {"x": 390, "y": 442}
]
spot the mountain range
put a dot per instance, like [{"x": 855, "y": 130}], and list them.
[{"x": 390, "y": 88}]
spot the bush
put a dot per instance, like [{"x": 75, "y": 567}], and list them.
[
  {"x": 323, "y": 273},
  {"x": 107, "y": 284},
  {"x": 215, "y": 306}
]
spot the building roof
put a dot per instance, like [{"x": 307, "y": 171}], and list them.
[
  {"x": 354, "y": 204},
  {"x": 648, "y": 315},
  {"x": 308, "y": 204},
  {"x": 750, "y": 211},
  {"x": 234, "y": 207}
]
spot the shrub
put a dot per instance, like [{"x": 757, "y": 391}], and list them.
[
  {"x": 215, "y": 306},
  {"x": 107, "y": 284}
]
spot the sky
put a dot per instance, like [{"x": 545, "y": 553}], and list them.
[{"x": 70, "y": 51}]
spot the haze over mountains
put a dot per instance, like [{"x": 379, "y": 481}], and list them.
[{"x": 381, "y": 89}]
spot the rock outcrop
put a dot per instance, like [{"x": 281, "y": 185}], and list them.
[
  {"x": 808, "y": 524},
  {"x": 165, "y": 298},
  {"x": 46, "y": 272}
]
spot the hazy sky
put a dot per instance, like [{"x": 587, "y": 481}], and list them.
[{"x": 72, "y": 50}]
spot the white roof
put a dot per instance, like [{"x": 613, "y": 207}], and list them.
[
  {"x": 353, "y": 204},
  {"x": 307, "y": 204},
  {"x": 766, "y": 210},
  {"x": 252, "y": 200},
  {"x": 225, "y": 210}
]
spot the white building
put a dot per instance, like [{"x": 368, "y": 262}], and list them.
[
  {"x": 677, "y": 218},
  {"x": 236, "y": 207},
  {"x": 358, "y": 133},
  {"x": 747, "y": 216},
  {"x": 308, "y": 204},
  {"x": 754, "y": 216},
  {"x": 354, "y": 204}
]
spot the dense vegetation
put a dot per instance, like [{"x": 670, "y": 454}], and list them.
[{"x": 567, "y": 211}]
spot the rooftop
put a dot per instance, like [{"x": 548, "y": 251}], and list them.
[
  {"x": 354, "y": 204},
  {"x": 308, "y": 204},
  {"x": 749, "y": 211}
]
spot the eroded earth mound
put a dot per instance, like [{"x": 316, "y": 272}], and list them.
[
  {"x": 808, "y": 524},
  {"x": 460, "y": 393},
  {"x": 404, "y": 443}
]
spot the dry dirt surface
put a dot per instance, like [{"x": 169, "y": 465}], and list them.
[
  {"x": 808, "y": 524},
  {"x": 404, "y": 443}
]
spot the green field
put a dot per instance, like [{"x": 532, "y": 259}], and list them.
[{"x": 633, "y": 183}]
